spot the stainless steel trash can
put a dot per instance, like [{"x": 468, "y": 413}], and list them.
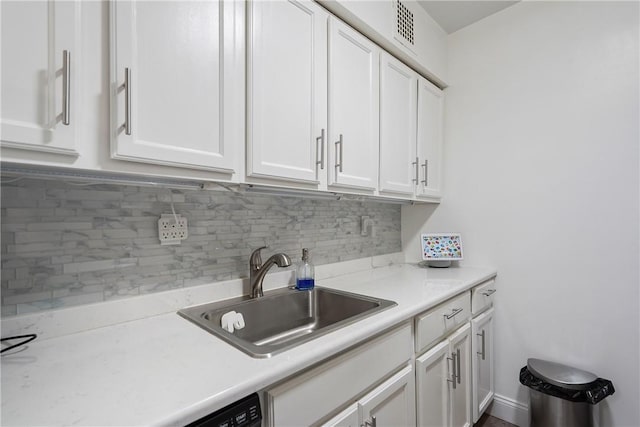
[{"x": 562, "y": 396}]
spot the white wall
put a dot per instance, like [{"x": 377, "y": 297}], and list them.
[{"x": 541, "y": 178}]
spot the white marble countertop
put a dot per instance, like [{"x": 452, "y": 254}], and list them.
[{"x": 163, "y": 370}]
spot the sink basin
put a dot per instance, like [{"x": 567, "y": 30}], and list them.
[{"x": 284, "y": 318}]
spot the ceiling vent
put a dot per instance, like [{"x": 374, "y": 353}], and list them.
[{"x": 404, "y": 25}]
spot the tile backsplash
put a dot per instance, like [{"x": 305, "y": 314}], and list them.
[{"x": 66, "y": 244}]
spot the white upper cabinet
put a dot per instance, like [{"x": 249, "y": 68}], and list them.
[
  {"x": 354, "y": 75},
  {"x": 177, "y": 78},
  {"x": 40, "y": 51},
  {"x": 430, "y": 121},
  {"x": 287, "y": 91},
  {"x": 398, "y": 101}
]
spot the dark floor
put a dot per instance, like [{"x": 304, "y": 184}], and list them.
[{"x": 488, "y": 421}]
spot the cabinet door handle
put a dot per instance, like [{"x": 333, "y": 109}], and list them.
[
  {"x": 127, "y": 101},
  {"x": 417, "y": 165},
  {"x": 320, "y": 143},
  {"x": 482, "y": 353},
  {"x": 425, "y": 165},
  {"x": 373, "y": 422},
  {"x": 66, "y": 87},
  {"x": 339, "y": 151},
  {"x": 453, "y": 313},
  {"x": 453, "y": 369},
  {"x": 489, "y": 292},
  {"x": 458, "y": 365}
]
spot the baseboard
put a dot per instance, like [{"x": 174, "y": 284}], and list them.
[{"x": 509, "y": 410}]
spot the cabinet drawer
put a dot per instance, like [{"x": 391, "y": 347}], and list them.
[
  {"x": 312, "y": 395},
  {"x": 440, "y": 320},
  {"x": 482, "y": 296}
]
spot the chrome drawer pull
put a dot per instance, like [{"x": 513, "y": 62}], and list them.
[
  {"x": 66, "y": 87},
  {"x": 482, "y": 353},
  {"x": 453, "y": 313},
  {"x": 417, "y": 164},
  {"x": 489, "y": 292}
]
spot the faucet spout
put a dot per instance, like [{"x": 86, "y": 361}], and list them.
[{"x": 257, "y": 271}]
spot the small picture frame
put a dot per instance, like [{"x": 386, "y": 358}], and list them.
[{"x": 439, "y": 249}]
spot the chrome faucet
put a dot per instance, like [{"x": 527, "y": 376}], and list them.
[{"x": 257, "y": 270}]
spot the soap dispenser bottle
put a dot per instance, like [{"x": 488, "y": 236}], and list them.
[{"x": 305, "y": 275}]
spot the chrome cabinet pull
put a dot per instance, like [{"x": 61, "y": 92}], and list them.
[
  {"x": 453, "y": 313},
  {"x": 417, "y": 165},
  {"x": 425, "y": 166},
  {"x": 453, "y": 369},
  {"x": 458, "y": 365},
  {"x": 339, "y": 165},
  {"x": 66, "y": 87},
  {"x": 489, "y": 292},
  {"x": 127, "y": 101},
  {"x": 320, "y": 143},
  {"x": 482, "y": 353},
  {"x": 373, "y": 422}
]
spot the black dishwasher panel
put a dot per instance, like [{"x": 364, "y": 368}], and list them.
[{"x": 243, "y": 413}]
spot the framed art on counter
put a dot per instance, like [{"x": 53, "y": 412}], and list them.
[{"x": 439, "y": 249}]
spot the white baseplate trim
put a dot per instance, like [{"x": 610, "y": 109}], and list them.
[{"x": 509, "y": 410}]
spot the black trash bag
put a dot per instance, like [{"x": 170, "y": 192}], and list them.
[{"x": 593, "y": 393}]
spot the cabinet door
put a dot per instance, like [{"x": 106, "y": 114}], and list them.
[
  {"x": 398, "y": 100},
  {"x": 177, "y": 74},
  {"x": 482, "y": 365},
  {"x": 392, "y": 403},
  {"x": 354, "y": 75},
  {"x": 430, "y": 109},
  {"x": 287, "y": 90},
  {"x": 314, "y": 396},
  {"x": 39, "y": 57},
  {"x": 433, "y": 376},
  {"x": 346, "y": 418},
  {"x": 461, "y": 394}
]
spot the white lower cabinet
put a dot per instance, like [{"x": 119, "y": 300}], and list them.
[
  {"x": 317, "y": 395},
  {"x": 376, "y": 384},
  {"x": 443, "y": 382},
  {"x": 482, "y": 362},
  {"x": 347, "y": 418},
  {"x": 392, "y": 403}
]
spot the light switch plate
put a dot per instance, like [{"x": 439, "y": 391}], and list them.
[{"x": 366, "y": 226}]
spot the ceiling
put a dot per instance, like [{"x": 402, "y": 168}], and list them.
[{"x": 453, "y": 15}]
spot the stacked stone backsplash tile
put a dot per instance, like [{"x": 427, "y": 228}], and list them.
[{"x": 66, "y": 244}]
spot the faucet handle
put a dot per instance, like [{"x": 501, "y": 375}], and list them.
[{"x": 255, "y": 261}]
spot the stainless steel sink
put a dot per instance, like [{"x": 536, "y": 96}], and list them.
[{"x": 284, "y": 318}]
